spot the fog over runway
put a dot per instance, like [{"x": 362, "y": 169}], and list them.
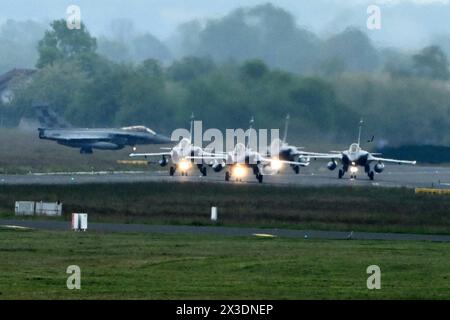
[{"x": 315, "y": 175}]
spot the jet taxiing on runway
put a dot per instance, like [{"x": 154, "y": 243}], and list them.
[
  {"x": 180, "y": 155},
  {"x": 289, "y": 152},
  {"x": 356, "y": 157},
  {"x": 243, "y": 157},
  {"x": 86, "y": 140}
]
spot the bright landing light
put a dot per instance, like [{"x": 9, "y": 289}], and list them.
[
  {"x": 276, "y": 165},
  {"x": 353, "y": 169},
  {"x": 184, "y": 165},
  {"x": 238, "y": 171}
]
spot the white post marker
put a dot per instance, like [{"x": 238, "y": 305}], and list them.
[
  {"x": 75, "y": 221},
  {"x": 79, "y": 221},
  {"x": 213, "y": 213}
]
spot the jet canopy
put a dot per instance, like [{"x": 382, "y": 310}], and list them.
[
  {"x": 354, "y": 148},
  {"x": 139, "y": 129}
]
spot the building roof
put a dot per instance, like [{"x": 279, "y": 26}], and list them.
[{"x": 6, "y": 78}]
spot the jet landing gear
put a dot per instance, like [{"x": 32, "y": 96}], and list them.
[
  {"x": 228, "y": 177},
  {"x": 259, "y": 177},
  {"x": 237, "y": 172},
  {"x": 172, "y": 171},
  {"x": 341, "y": 173},
  {"x": 371, "y": 175},
  {"x": 202, "y": 170}
]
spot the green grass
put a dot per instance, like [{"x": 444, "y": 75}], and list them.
[
  {"x": 152, "y": 266},
  {"x": 329, "y": 208}
]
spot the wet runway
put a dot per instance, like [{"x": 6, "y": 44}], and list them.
[{"x": 393, "y": 176}]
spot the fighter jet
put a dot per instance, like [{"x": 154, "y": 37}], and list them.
[
  {"x": 57, "y": 129},
  {"x": 289, "y": 152},
  {"x": 181, "y": 156},
  {"x": 243, "y": 157},
  {"x": 356, "y": 157}
]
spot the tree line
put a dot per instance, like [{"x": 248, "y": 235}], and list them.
[{"x": 404, "y": 98}]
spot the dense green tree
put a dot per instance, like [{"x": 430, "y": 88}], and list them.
[
  {"x": 189, "y": 68},
  {"x": 143, "y": 98},
  {"x": 55, "y": 85},
  {"x": 254, "y": 69},
  {"x": 61, "y": 43}
]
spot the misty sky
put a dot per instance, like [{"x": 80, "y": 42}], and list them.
[{"x": 405, "y": 23}]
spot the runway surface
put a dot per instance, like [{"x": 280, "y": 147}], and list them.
[
  {"x": 226, "y": 231},
  {"x": 393, "y": 176}
]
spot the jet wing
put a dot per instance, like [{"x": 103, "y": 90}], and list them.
[
  {"x": 207, "y": 157},
  {"x": 310, "y": 154},
  {"x": 145, "y": 155},
  {"x": 210, "y": 156},
  {"x": 373, "y": 158},
  {"x": 330, "y": 156},
  {"x": 295, "y": 163},
  {"x": 71, "y": 136}
]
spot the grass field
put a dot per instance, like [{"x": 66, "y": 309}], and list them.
[
  {"x": 150, "y": 266},
  {"x": 328, "y": 208}
]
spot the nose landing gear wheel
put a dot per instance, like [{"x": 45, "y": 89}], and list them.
[
  {"x": 259, "y": 176},
  {"x": 203, "y": 171},
  {"x": 297, "y": 169},
  {"x": 340, "y": 174},
  {"x": 371, "y": 175}
]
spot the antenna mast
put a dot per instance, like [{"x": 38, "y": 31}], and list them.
[{"x": 286, "y": 126}]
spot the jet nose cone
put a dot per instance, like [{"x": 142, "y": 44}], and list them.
[{"x": 161, "y": 139}]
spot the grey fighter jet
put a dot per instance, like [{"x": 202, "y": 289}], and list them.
[
  {"x": 356, "y": 157},
  {"x": 86, "y": 140}
]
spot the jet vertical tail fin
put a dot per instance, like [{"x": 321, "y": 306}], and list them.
[
  {"x": 191, "y": 129},
  {"x": 48, "y": 118},
  {"x": 286, "y": 126},
  {"x": 361, "y": 122},
  {"x": 250, "y": 128}
]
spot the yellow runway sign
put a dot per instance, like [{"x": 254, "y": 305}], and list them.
[
  {"x": 134, "y": 162},
  {"x": 432, "y": 191}
]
